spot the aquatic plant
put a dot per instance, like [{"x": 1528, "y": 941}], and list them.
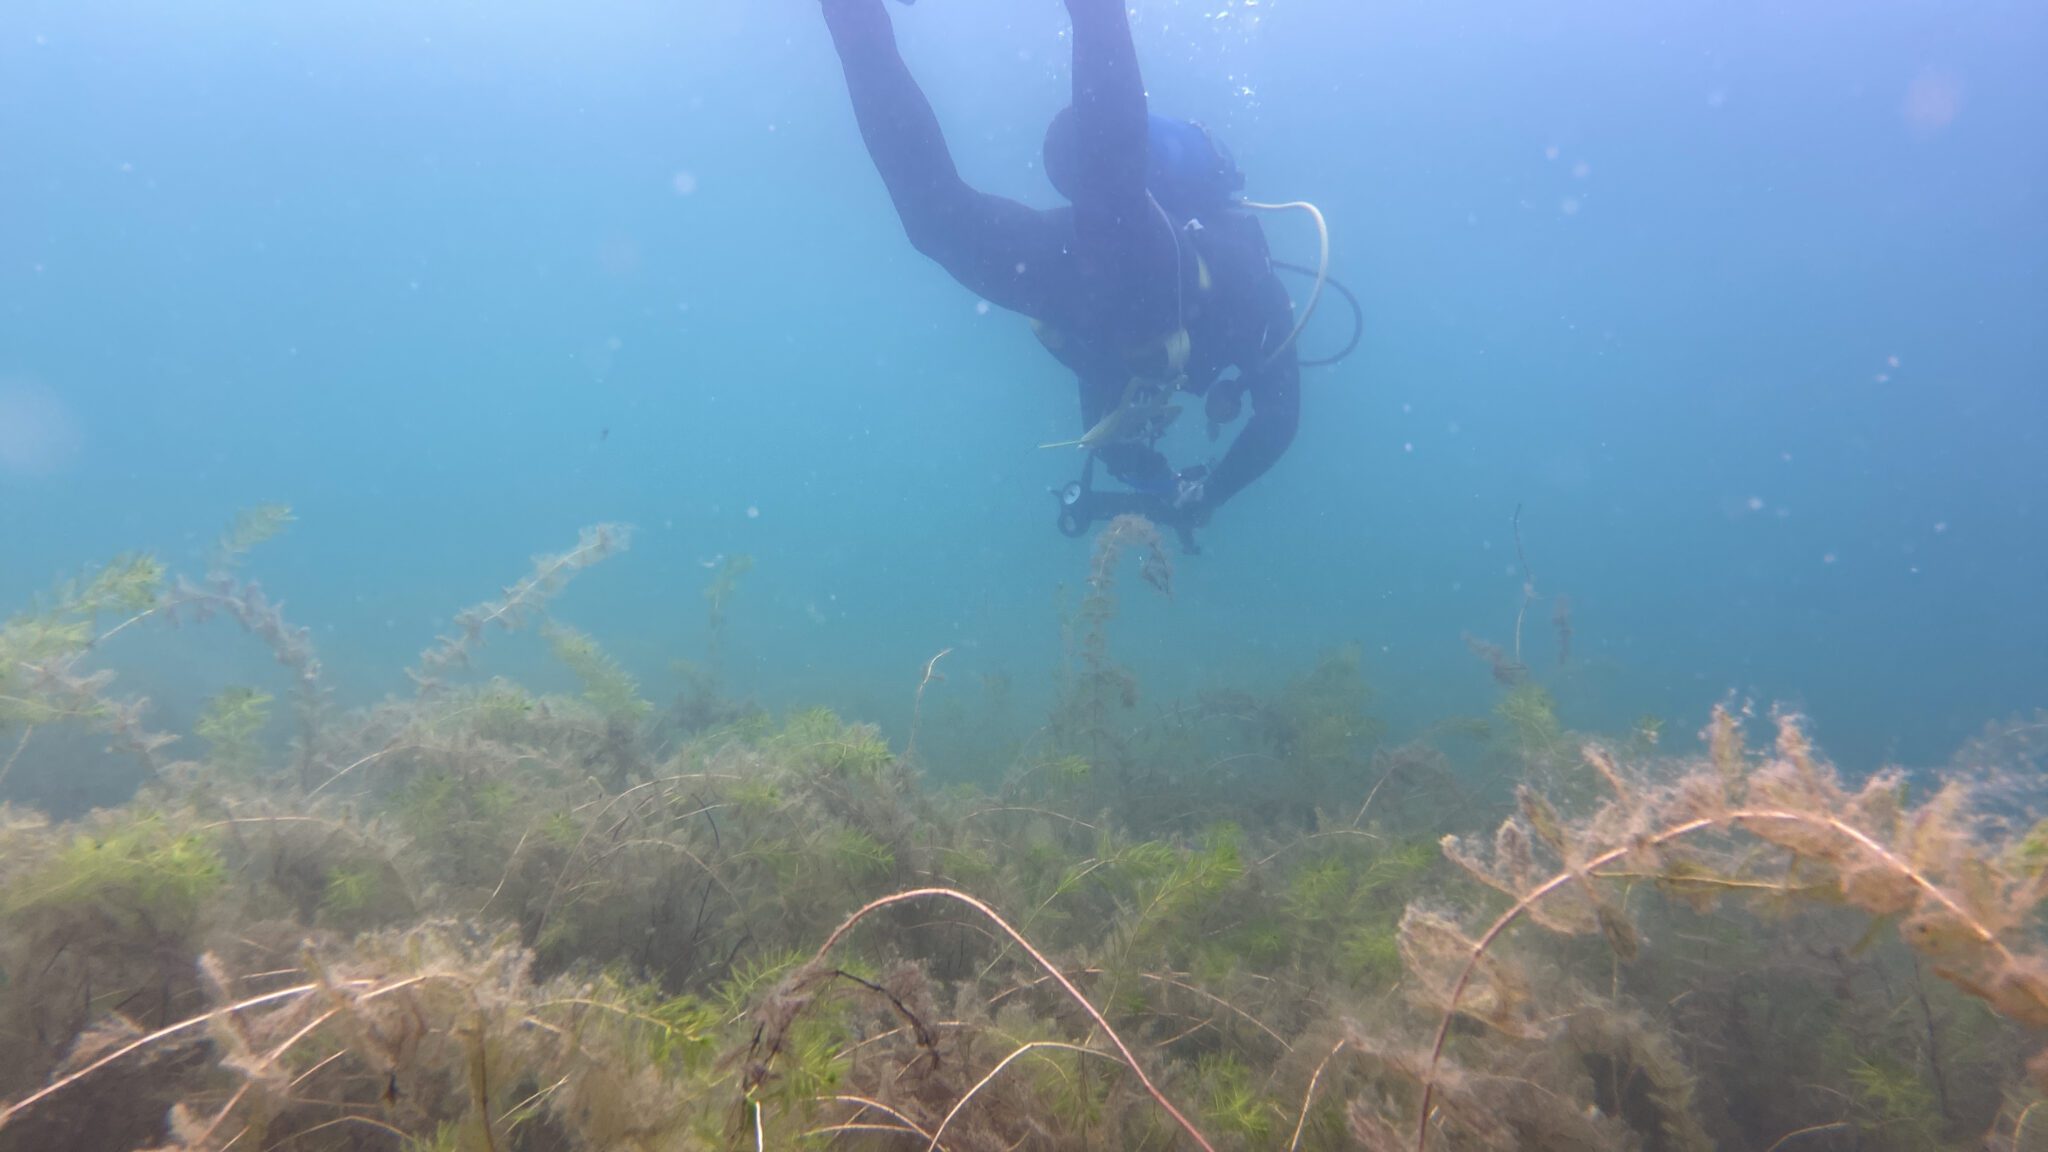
[
  {"x": 1094, "y": 685},
  {"x": 250, "y": 527},
  {"x": 796, "y": 993},
  {"x": 718, "y": 594},
  {"x": 40, "y": 651},
  {"x": 931, "y": 674},
  {"x": 41, "y": 648},
  {"x": 606, "y": 686},
  {"x": 1507, "y": 670},
  {"x": 244, "y": 602},
  {"x": 1530, "y": 715},
  {"x": 101, "y": 917},
  {"x": 436, "y": 1030},
  {"x": 1561, "y": 623},
  {"x": 510, "y": 920},
  {"x": 230, "y": 724},
  {"x": 122, "y": 876},
  {"x": 520, "y": 603},
  {"x": 1925, "y": 865}
]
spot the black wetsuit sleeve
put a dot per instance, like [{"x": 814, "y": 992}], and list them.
[
  {"x": 1128, "y": 248},
  {"x": 1002, "y": 250},
  {"x": 1273, "y": 382}
]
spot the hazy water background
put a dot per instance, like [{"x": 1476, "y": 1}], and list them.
[{"x": 1742, "y": 303}]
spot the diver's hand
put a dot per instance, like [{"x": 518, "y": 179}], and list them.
[
  {"x": 1191, "y": 497},
  {"x": 1224, "y": 402},
  {"x": 1194, "y": 515},
  {"x": 1183, "y": 513},
  {"x": 1184, "y": 518}
]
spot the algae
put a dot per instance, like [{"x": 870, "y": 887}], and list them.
[{"x": 480, "y": 916}]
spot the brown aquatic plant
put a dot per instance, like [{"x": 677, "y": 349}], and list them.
[
  {"x": 1561, "y": 622},
  {"x": 724, "y": 583},
  {"x": 521, "y": 602},
  {"x": 660, "y": 892},
  {"x": 1528, "y": 584},
  {"x": 1099, "y": 680},
  {"x": 1130, "y": 532},
  {"x": 1961, "y": 899},
  {"x": 1507, "y": 670},
  {"x": 244, "y": 602},
  {"x": 931, "y": 673},
  {"x": 782, "y": 1009}
]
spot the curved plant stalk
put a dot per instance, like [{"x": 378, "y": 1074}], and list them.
[
  {"x": 292, "y": 1041},
  {"x": 1171, "y": 982},
  {"x": 2019, "y": 1126},
  {"x": 907, "y": 1124},
  {"x": 376, "y": 991},
  {"x": 980, "y": 812},
  {"x": 590, "y": 828},
  {"x": 1308, "y": 1097},
  {"x": 858, "y": 1126},
  {"x": 378, "y": 754},
  {"x": 1812, "y": 1130},
  {"x": 1005, "y": 1062},
  {"x": 917, "y": 703},
  {"x": 141, "y": 1042},
  {"x": 26, "y": 732},
  {"x": 1038, "y": 958}
]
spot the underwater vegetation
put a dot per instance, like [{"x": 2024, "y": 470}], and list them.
[{"x": 476, "y": 917}]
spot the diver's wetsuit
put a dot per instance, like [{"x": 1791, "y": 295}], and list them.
[{"x": 1109, "y": 278}]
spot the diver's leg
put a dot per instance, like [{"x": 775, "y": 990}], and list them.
[
  {"x": 998, "y": 248},
  {"x": 896, "y": 121}
]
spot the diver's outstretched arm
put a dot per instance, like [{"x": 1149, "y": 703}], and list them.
[
  {"x": 1274, "y": 384},
  {"x": 998, "y": 248},
  {"x": 1126, "y": 243},
  {"x": 1109, "y": 111}
]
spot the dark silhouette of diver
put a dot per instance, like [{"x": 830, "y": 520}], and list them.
[{"x": 1154, "y": 281}]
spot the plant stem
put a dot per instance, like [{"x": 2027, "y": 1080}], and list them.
[{"x": 1038, "y": 957}]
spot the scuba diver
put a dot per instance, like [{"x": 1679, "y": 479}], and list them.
[{"x": 1154, "y": 281}]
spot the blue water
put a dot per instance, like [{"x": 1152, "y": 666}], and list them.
[{"x": 1742, "y": 304}]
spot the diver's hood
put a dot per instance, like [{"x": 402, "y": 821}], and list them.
[{"x": 1186, "y": 169}]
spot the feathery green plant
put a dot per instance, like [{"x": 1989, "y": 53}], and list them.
[
  {"x": 39, "y": 646},
  {"x": 142, "y": 869},
  {"x": 1898, "y": 1101},
  {"x": 605, "y": 684},
  {"x": 1230, "y": 1103},
  {"x": 1325, "y": 716},
  {"x": 230, "y": 725},
  {"x": 251, "y": 526},
  {"x": 1531, "y": 715},
  {"x": 818, "y": 740},
  {"x": 718, "y": 594}
]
